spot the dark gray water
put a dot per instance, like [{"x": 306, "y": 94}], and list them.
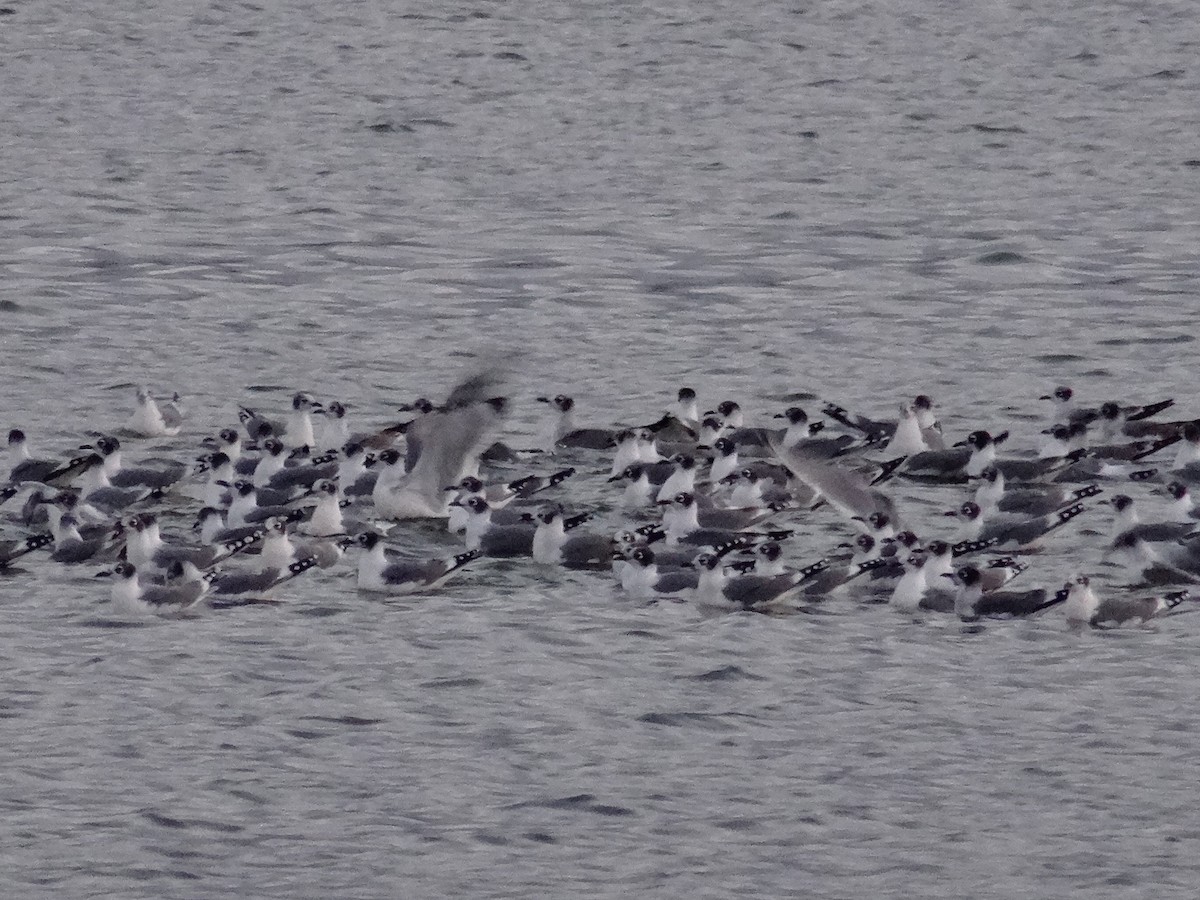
[{"x": 859, "y": 201}]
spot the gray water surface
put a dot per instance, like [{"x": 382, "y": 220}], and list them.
[{"x": 853, "y": 201}]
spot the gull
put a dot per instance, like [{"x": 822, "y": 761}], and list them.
[
  {"x": 26, "y": 467},
  {"x": 907, "y": 439},
  {"x": 245, "y": 509},
  {"x": 273, "y": 461},
  {"x": 129, "y": 595},
  {"x": 221, "y": 473},
  {"x": 150, "y": 419},
  {"x": 1084, "y": 607},
  {"x": 1126, "y": 521},
  {"x": 875, "y": 430},
  {"x": 97, "y": 491},
  {"x": 628, "y": 451},
  {"x": 336, "y": 431},
  {"x": 647, "y": 446},
  {"x": 643, "y": 579},
  {"x": 14, "y": 550},
  {"x": 908, "y": 594},
  {"x": 450, "y": 441},
  {"x": 296, "y": 432},
  {"x": 278, "y": 551},
  {"x": 715, "y": 587},
  {"x": 805, "y": 435},
  {"x": 685, "y": 521},
  {"x": 1183, "y": 505},
  {"x": 280, "y": 472},
  {"x": 680, "y": 424},
  {"x": 725, "y": 459},
  {"x": 567, "y": 434},
  {"x": 686, "y": 410},
  {"x": 500, "y": 498},
  {"x": 378, "y": 572},
  {"x": 747, "y": 487},
  {"x": 71, "y": 547},
  {"x": 92, "y": 521},
  {"x": 1187, "y": 458},
  {"x": 35, "y": 508},
  {"x": 210, "y": 525},
  {"x": 682, "y": 477},
  {"x": 983, "y": 456},
  {"x": 971, "y": 603},
  {"x": 326, "y": 519},
  {"x": 730, "y": 414},
  {"x": 303, "y": 475},
  {"x": 553, "y": 546},
  {"x": 711, "y": 428},
  {"x": 355, "y": 476},
  {"x": 931, "y": 428},
  {"x": 162, "y": 477},
  {"x": 1067, "y": 409},
  {"x": 1158, "y": 564},
  {"x": 503, "y": 541},
  {"x": 920, "y": 587},
  {"x": 145, "y": 546},
  {"x": 247, "y": 584},
  {"x": 767, "y": 558},
  {"x": 993, "y": 496},
  {"x": 844, "y": 489},
  {"x": 872, "y": 430},
  {"x": 412, "y": 435},
  {"x": 640, "y": 482},
  {"x": 1007, "y": 529},
  {"x": 229, "y": 442}
]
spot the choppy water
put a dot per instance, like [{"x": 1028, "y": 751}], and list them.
[{"x": 858, "y": 201}]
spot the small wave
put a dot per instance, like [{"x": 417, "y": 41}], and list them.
[
  {"x": 305, "y": 735},
  {"x": 1058, "y": 357},
  {"x": 388, "y": 127},
  {"x": 725, "y": 673},
  {"x": 1001, "y": 258},
  {"x": 357, "y": 721},
  {"x": 679, "y": 719},
  {"x": 997, "y": 129},
  {"x": 452, "y": 683},
  {"x": 1125, "y": 342}
]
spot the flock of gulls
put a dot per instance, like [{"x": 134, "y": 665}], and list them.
[{"x": 702, "y": 508}]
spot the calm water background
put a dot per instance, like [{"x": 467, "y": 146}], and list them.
[{"x": 859, "y": 201}]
